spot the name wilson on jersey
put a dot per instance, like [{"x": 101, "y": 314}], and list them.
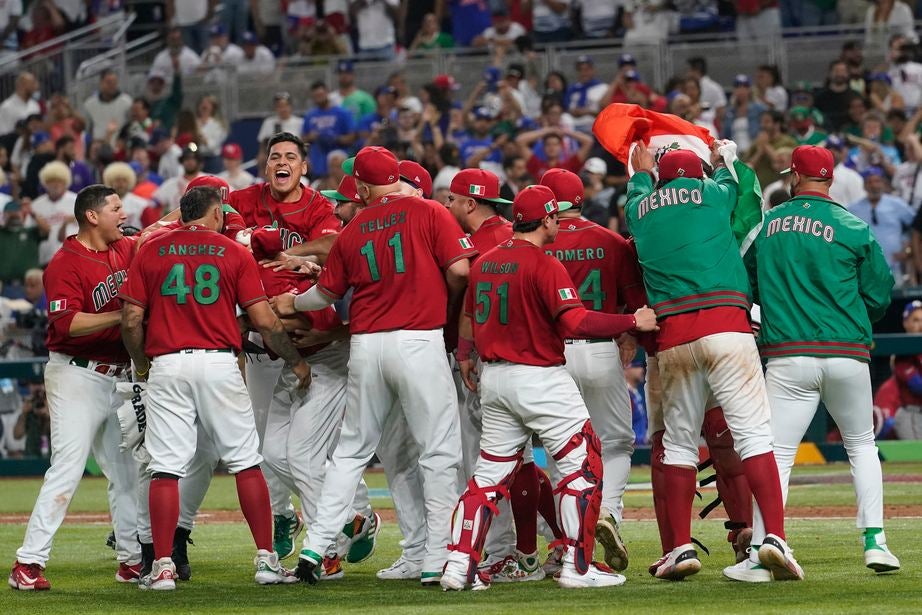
[
  {"x": 801, "y": 224},
  {"x": 107, "y": 290},
  {"x": 665, "y": 197}
]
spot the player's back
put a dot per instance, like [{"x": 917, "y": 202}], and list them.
[{"x": 494, "y": 231}]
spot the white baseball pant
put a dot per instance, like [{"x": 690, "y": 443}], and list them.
[
  {"x": 194, "y": 485},
  {"x": 653, "y": 395},
  {"x": 596, "y": 368},
  {"x": 81, "y": 402},
  {"x": 121, "y": 468},
  {"x": 411, "y": 366},
  {"x": 728, "y": 365},
  {"x": 795, "y": 386}
]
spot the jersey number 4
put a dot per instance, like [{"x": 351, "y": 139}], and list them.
[
  {"x": 483, "y": 296},
  {"x": 205, "y": 291},
  {"x": 591, "y": 289},
  {"x": 368, "y": 251}
]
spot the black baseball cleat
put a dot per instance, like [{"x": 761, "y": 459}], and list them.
[
  {"x": 680, "y": 563},
  {"x": 110, "y": 540},
  {"x": 308, "y": 569},
  {"x": 180, "y": 557},
  {"x": 147, "y": 558}
]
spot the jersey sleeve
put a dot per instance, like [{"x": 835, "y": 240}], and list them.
[
  {"x": 724, "y": 189},
  {"x": 629, "y": 282},
  {"x": 558, "y": 293},
  {"x": 333, "y": 281},
  {"x": 323, "y": 221},
  {"x": 450, "y": 242},
  {"x": 638, "y": 187},
  {"x": 233, "y": 222},
  {"x": 249, "y": 287},
  {"x": 65, "y": 296},
  {"x": 134, "y": 290},
  {"x": 469, "y": 300},
  {"x": 875, "y": 280}
]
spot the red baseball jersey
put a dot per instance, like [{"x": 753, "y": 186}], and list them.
[
  {"x": 515, "y": 294},
  {"x": 494, "y": 231},
  {"x": 191, "y": 281},
  {"x": 601, "y": 264},
  {"x": 304, "y": 220},
  {"x": 393, "y": 254},
  {"x": 233, "y": 224},
  {"x": 82, "y": 280}
]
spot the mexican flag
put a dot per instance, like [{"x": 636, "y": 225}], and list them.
[
  {"x": 567, "y": 293},
  {"x": 620, "y": 125}
]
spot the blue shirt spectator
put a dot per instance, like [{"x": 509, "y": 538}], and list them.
[
  {"x": 326, "y": 127},
  {"x": 889, "y": 217},
  {"x": 480, "y": 141},
  {"x": 469, "y": 18}
]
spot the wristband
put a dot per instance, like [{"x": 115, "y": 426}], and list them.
[{"x": 465, "y": 346}]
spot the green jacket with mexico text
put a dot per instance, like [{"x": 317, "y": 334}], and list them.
[
  {"x": 689, "y": 256},
  {"x": 821, "y": 280}
]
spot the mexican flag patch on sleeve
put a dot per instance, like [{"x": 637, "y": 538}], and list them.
[
  {"x": 567, "y": 293},
  {"x": 58, "y": 305},
  {"x": 466, "y": 243}
]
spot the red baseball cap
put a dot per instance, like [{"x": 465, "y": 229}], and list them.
[
  {"x": 534, "y": 203},
  {"x": 680, "y": 163},
  {"x": 376, "y": 166},
  {"x": 445, "y": 82},
  {"x": 232, "y": 150},
  {"x": 210, "y": 181},
  {"x": 267, "y": 244},
  {"x": 477, "y": 184},
  {"x": 566, "y": 186},
  {"x": 812, "y": 161},
  {"x": 414, "y": 173},
  {"x": 345, "y": 192}
]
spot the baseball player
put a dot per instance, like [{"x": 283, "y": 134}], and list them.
[
  {"x": 604, "y": 269},
  {"x": 697, "y": 283},
  {"x": 519, "y": 307},
  {"x": 302, "y": 216},
  {"x": 86, "y": 360},
  {"x": 398, "y": 249},
  {"x": 907, "y": 374},
  {"x": 816, "y": 337},
  {"x": 187, "y": 284}
]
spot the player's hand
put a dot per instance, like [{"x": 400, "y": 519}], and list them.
[
  {"x": 642, "y": 158},
  {"x": 305, "y": 338},
  {"x": 645, "y": 319},
  {"x": 627, "y": 346},
  {"x": 284, "y": 304},
  {"x": 468, "y": 374},
  {"x": 141, "y": 372},
  {"x": 303, "y": 371}
]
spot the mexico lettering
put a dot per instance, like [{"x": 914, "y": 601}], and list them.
[
  {"x": 107, "y": 290},
  {"x": 803, "y": 225},
  {"x": 665, "y": 197}
]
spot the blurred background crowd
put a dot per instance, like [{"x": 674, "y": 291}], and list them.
[{"x": 346, "y": 73}]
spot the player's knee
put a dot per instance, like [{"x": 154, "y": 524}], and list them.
[
  {"x": 250, "y": 469},
  {"x": 164, "y": 475},
  {"x": 752, "y": 445},
  {"x": 855, "y": 442}
]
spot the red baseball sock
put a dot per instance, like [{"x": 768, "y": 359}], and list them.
[
  {"x": 660, "y": 501},
  {"x": 679, "y": 484},
  {"x": 762, "y": 475},
  {"x": 164, "y": 514},
  {"x": 254, "y": 502},
  {"x": 523, "y": 497},
  {"x": 546, "y": 505}
]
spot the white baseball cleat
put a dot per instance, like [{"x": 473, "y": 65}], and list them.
[
  {"x": 680, "y": 563},
  {"x": 162, "y": 576},
  {"x": 401, "y": 570},
  {"x": 877, "y": 556},
  {"x": 608, "y": 534},
  {"x": 598, "y": 575},
  {"x": 269, "y": 571},
  {"x": 454, "y": 577},
  {"x": 748, "y": 571},
  {"x": 777, "y": 556}
]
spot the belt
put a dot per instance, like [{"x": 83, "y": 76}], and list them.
[
  {"x": 114, "y": 370},
  {"x": 595, "y": 341},
  {"x": 207, "y": 350}
]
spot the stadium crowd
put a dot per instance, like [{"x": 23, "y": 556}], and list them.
[{"x": 515, "y": 122}]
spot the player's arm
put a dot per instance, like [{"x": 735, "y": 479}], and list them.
[
  {"x": 456, "y": 278},
  {"x": 580, "y": 323},
  {"x": 875, "y": 280},
  {"x": 132, "y": 317},
  {"x": 86, "y": 324},
  {"x": 319, "y": 248},
  {"x": 274, "y": 335}
]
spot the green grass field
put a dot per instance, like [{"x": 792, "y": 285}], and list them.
[{"x": 82, "y": 568}]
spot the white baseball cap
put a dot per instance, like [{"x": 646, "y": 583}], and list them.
[{"x": 596, "y": 165}]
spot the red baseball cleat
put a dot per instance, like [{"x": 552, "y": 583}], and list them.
[
  {"x": 128, "y": 574},
  {"x": 28, "y": 577}
]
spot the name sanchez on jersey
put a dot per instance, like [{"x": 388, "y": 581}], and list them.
[
  {"x": 191, "y": 250},
  {"x": 801, "y": 224},
  {"x": 668, "y": 196}
]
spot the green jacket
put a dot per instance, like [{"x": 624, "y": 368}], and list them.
[
  {"x": 690, "y": 258},
  {"x": 821, "y": 279}
]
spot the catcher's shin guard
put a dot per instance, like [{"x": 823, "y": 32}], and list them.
[
  {"x": 580, "y": 494},
  {"x": 471, "y": 519},
  {"x": 660, "y": 497},
  {"x": 732, "y": 486}
]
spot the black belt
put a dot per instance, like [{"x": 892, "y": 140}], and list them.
[
  {"x": 207, "y": 350},
  {"x": 114, "y": 370}
]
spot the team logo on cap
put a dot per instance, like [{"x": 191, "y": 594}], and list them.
[
  {"x": 824, "y": 171},
  {"x": 680, "y": 172},
  {"x": 549, "y": 206},
  {"x": 391, "y": 178},
  {"x": 519, "y": 216},
  {"x": 477, "y": 190}
]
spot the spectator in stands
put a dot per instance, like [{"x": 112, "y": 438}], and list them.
[
  {"x": 65, "y": 151},
  {"x": 283, "y": 120},
  {"x": 907, "y": 372},
  {"x": 597, "y": 18},
  {"x": 834, "y": 99},
  {"x": 552, "y": 142},
  {"x": 889, "y": 217},
  {"x": 211, "y": 125},
  {"x": 42, "y": 154},
  {"x": 809, "y": 13},
  {"x": 530, "y": 101},
  {"x": 582, "y": 98},
  {"x": 10, "y": 13},
  {"x": 187, "y": 131},
  {"x": 267, "y": 21},
  {"x": 600, "y": 198},
  {"x": 905, "y": 73},
  {"x": 55, "y": 207},
  {"x": 469, "y": 20},
  {"x": 803, "y": 129},
  {"x": 857, "y": 109},
  {"x": 781, "y": 160},
  {"x": 48, "y": 22},
  {"x": 164, "y": 103},
  {"x": 234, "y": 174},
  {"x": 480, "y": 145},
  {"x": 741, "y": 121},
  {"x": 768, "y": 90},
  {"x": 164, "y": 150},
  {"x": 22, "y": 149},
  {"x": 19, "y": 245},
  {"x": 62, "y": 121},
  {"x": 358, "y": 102},
  {"x": 220, "y": 50},
  {"x": 502, "y": 34},
  {"x": 634, "y": 377},
  {"x": 757, "y": 20},
  {"x": 886, "y": 18},
  {"x": 121, "y": 177},
  {"x": 882, "y": 95},
  {"x": 166, "y": 197},
  {"x": 322, "y": 39},
  {"x": 257, "y": 60},
  {"x": 21, "y": 103},
  {"x": 848, "y": 185},
  {"x": 176, "y": 57},
  {"x": 327, "y": 127},
  {"x": 712, "y": 93},
  {"x": 139, "y": 125},
  {"x": 405, "y": 96},
  {"x": 770, "y": 138},
  {"x": 551, "y": 21},
  {"x": 430, "y": 36},
  {"x": 853, "y": 56},
  {"x": 516, "y": 177},
  {"x": 375, "y": 24},
  {"x": 449, "y": 163},
  {"x": 649, "y": 22},
  {"x": 335, "y": 173},
  {"x": 699, "y": 111},
  {"x": 377, "y": 128},
  {"x": 34, "y": 423},
  {"x": 107, "y": 109},
  {"x": 870, "y": 150},
  {"x": 192, "y": 18},
  {"x": 234, "y": 17}
]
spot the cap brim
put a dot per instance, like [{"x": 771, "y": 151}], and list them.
[
  {"x": 497, "y": 200},
  {"x": 564, "y": 206},
  {"x": 786, "y": 171},
  {"x": 335, "y": 195}
]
